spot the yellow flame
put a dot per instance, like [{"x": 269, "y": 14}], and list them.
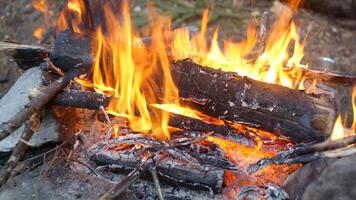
[
  {"x": 40, "y": 5},
  {"x": 274, "y": 65},
  {"x": 38, "y": 33},
  {"x": 177, "y": 109},
  {"x": 338, "y": 130},
  {"x": 126, "y": 71},
  {"x": 74, "y": 5}
]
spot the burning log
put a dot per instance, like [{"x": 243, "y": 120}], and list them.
[
  {"x": 92, "y": 100},
  {"x": 227, "y": 95},
  {"x": 272, "y": 108}
]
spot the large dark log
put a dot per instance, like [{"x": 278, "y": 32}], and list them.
[
  {"x": 269, "y": 107},
  {"x": 169, "y": 169}
]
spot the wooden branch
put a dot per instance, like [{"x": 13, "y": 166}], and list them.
[
  {"x": 37, "y": 103},
  {"x": 20, "y": 148},
  {"x": 93, "y": 100},
  {"x": 309, "y": 152}
]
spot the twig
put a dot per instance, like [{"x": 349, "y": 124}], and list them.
[
  {"x": 20, "y": 149},
  {"x": 309, "y": 152},
  {"x": 156, "y": 180},
  {"x": 146, "y": 164},
  {"x": 36, "y": 104}
]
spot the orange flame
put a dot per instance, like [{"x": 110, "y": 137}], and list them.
[
  {"x": 270, "y": 66},
  {"x": 125, "y": 67},
  {"x": 127, "y": 70},
  {"x": 38, "y": 33},
  {"x": 72, "y": 11},
  {"x": 41, "y": 6}
]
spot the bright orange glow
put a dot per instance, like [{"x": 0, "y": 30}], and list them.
[
  {"x": 40, "y": 5},
  {"x": 338, "y": 130},
  {"x": 72, "y": 11},
  {"x": 74, "y": 5},
  {"x": 38, "y": 33}
]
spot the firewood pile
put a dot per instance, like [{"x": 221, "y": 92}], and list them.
[{"x": 285, "y": 127}]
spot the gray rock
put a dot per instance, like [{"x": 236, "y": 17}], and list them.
[{"x": 15, "y": 100}]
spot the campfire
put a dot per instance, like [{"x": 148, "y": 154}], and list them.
[{"x": 178, "y": 107}]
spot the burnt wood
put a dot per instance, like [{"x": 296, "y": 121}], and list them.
[
  {"x": 169, "y": 169},
  {"x": 93, "y": 100},
  {"x": 269, "y": 107}
]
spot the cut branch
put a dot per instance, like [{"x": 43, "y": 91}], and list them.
[
  {"x": 37, "y": 103},
  {"x": 310, "y": 152},
  {"x": 20, "y": 149},
  {"x": 93, "y": 100}
]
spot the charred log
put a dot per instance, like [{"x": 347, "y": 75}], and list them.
[
  {"x": 269, "y": 107},
  {"x": 169, "y": 169}
]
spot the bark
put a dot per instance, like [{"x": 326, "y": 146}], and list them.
[
  {"x": 169, "y": 169},
  {"x": 269, "y": 107}
]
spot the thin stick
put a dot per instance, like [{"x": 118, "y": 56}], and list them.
[
  {"x": 20, "y": 149},
  {"x": 36, "y": 104},
  {"x": 146, "y": 164},
  {"x": 308, "y": 153},
  {"x": 156, "y": 180}
]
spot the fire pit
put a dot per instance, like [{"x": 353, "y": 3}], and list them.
[{"x": 165, "y": 113}]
